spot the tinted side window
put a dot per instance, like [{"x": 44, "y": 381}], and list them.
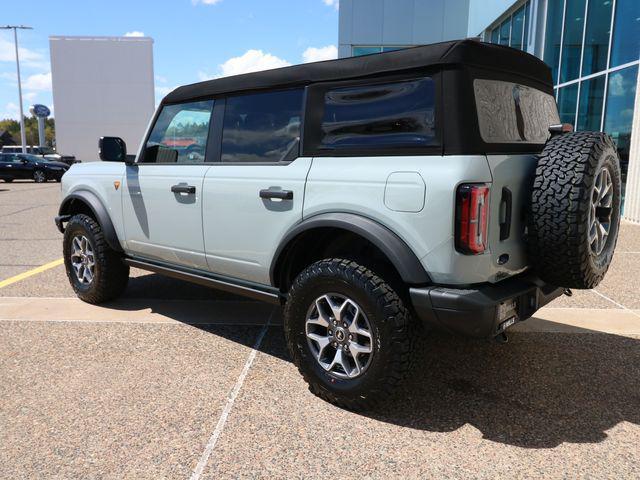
[
  {"x": 398, "y": 114},
  {"x": 513, "y": 113},
  {"x": 179, "y": 134},
  {"x": 262, "y": 127}
]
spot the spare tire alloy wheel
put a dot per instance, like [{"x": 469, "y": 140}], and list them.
[
  {"x": 600, "y": 211},
  {"x": 82, "y": 259},
  {"x": 575, "y": 209},
  {"x": 39, "y": 176},
  {"x": 339, "y": 335}
]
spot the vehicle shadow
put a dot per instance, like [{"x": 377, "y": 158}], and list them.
[{"x": 537, "y": 391}]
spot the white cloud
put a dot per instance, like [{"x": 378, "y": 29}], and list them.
[
  {"x": 10, "y": 111},
  {"x": 135, "y": 33},
  {"x": 30, "y": 96},
  {"x": 313, "y": 54},
  {"x": 250, "y": 61},
  {"x": 205, "y": 2},
  {"x": 38, "y": 81},
  {"x": 332, "y": 3},
  {"x": 161, "y": 79},
  {"x": 28, "y": 58}
]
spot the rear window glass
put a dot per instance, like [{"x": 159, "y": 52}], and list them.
[
  {"x": 262, "y": 127},
  {"x": 513, "y": 113},
  {"x": 398, "y": 114}
]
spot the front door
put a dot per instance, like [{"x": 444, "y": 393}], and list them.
[
  {"x": 255, "y": 193},
  {"x": 162, "y": 192}
]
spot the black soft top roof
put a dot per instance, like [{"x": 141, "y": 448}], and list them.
[{"x": 458, "y": 52}]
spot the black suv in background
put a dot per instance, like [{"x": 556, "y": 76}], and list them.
[
  {"x": 23, "y": 166},
  {"x": 45, "y": 152}
]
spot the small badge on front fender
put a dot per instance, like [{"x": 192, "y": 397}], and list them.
[{"x": 116, "y": 184}]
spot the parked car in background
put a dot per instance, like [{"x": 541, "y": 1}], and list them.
[
  {"x": 24, "y": 166},
  {"x": 45, "y": 152}
]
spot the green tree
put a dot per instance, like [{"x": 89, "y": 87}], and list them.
[{"x": 31, "y": 130}]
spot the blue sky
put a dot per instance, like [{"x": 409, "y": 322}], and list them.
[{"x": 193, "y": 39}]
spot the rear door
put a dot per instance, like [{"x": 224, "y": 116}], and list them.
[
  {"x": 256, "y": 191},
  {"x": 162, "y": 193}
]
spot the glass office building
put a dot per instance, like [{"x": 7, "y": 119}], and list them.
[{"x": 592, "y": 47}]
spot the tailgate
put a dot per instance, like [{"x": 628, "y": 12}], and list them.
[{"x": 512, "y": 176}]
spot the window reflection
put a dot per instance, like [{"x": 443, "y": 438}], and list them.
[
  {"x": 621, "y": 94},
  {"x": 626, "y": 33},
  {"x": 180, "y": 134},
  {"x": 554, "y": 32},
  {"x": 590, "y": 105},
  {"x": 263, "y": 127},
  {"x": 596, "y": 40},
  {"x": 572, "y": 40},
  {"x": 567, "y": 101},
  {"x": 517, "y": 28}
]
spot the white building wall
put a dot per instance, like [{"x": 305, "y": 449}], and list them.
[{"x": 102, "y": 86}]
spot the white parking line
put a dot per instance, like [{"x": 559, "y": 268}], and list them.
[
  {"x": 616, "y": 303},
  {"x": 213, "y": 440}
]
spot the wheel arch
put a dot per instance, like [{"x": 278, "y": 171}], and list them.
[
  {"x": 84, "y": 201},
  {"x": 395, "y": 250}
]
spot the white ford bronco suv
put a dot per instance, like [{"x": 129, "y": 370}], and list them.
[{"x": 372, "y": 197}]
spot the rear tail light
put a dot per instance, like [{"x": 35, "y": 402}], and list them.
[{"x": 472, "y": 211}]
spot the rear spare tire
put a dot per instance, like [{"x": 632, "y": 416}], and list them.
[{"x": 575, "y": 209}]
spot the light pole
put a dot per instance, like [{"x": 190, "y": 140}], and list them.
[{"x": 23, "y": 134}]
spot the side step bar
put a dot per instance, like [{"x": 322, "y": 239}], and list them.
[{"x": 266, "y": 294}]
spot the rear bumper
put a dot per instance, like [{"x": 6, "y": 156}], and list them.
[{"x": 481, "y": 311}]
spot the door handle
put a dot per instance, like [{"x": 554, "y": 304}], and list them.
[
  {"x": 281, "y": 194},
  {"x": 182, "y": 188}
]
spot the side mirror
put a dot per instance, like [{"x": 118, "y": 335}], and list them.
[{"x": 112, "y": 149}]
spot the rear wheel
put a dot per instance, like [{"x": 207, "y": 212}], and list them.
[
  {"x": 575, "y": 209},
  {"x": 8, "y": 180},
  {"x": 95, "y": 271},
  {"x": 39, "y": 176},
  {"x": 349, "y": 333}
]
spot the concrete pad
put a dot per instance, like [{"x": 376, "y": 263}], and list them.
[
  {"x": 629, "y": 237},
  {"x": 135, "y": 311},
  {"x": 126, "y": 401},
  {"x": 621, "y": 283},
  {"x": 543, "y": 406},
  {"x": 583, "y": 299},
  {"x": 579, "y": 320}
]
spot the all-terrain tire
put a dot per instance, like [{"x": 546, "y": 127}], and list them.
[
  {"x": 561, "y": 217},
  {"x": 110, "y": 275},
  {"x": 393, "y": 340}
]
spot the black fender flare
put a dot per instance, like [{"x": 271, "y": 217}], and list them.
[
  {"x": 396, "y": 250},
  {"x": 99, "y": 211}
]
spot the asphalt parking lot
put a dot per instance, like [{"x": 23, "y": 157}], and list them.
[{"x": 178, "y": 381}]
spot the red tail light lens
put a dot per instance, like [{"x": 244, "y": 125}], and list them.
[{"x": 472, "y": 211}]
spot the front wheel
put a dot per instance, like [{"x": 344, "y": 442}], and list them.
[
  {"x": 39, "y": 176},
  {"x": 349, "y": 333},
  {"x": 8, "y": 180},
  {"x": 95, "y": 271}
]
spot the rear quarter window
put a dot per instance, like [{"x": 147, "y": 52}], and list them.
[
  {"x": 512, "y": 113},
  {"x": 386, "y": 116}
]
